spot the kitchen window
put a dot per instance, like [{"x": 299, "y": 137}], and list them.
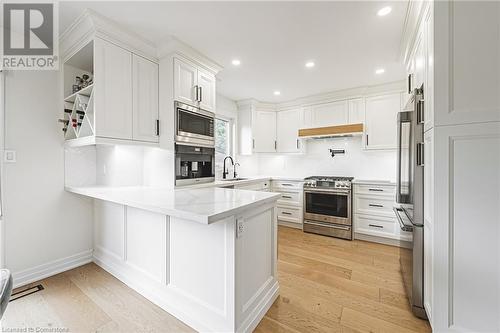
[{"x": 223, "y": 143}]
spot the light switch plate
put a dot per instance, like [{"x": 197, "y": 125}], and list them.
[{"x": 9, "y": 156}]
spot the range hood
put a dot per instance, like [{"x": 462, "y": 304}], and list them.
[{"x": 331, "y": 131}]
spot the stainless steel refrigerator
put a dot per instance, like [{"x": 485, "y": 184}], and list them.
[{"x": 410, "y": 197}]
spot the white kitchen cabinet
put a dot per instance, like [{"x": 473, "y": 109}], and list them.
[
  {"x": 289, "y": 205},
  {"x": 374, "y": 219},
  {"x": 194, "y": 85},
  {"x": 327, "y": 114},
  {"x": 264, "y": 132},
  {"x": 356, "y": 109},
  {"x": 145, "y": 99},
  {"x": 185, "y": 79},
  {"x": 428, "y": 221},
  {"x": 381, "y": 121},
  {"x": 113, "y": 90},
  {"x": 206, "y": 84},
  {"x": 287, "y": 127}
]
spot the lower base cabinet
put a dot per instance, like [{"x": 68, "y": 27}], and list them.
[
  {"x": 373, "y": 217},
  {"x": 290, "y": 205}
]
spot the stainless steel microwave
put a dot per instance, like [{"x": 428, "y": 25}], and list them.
[{"x": 194, "y": 126}]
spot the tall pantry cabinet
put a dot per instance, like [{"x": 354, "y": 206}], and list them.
[{"x": 456, "y": 57}]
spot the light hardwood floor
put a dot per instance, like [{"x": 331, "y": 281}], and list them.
[{"x": 326, "y": 285}]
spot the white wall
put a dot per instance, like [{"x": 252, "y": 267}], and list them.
[
  {"x": 356, "y": 162},
  {"x": 43, "y": 224}
]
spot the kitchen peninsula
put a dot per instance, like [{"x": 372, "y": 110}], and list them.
[{"x": 207, "y": 256}]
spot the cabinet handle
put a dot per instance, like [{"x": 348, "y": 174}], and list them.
[
  {"x": 420, "y": 154},
  {"x": 286, "y": 197},
  {"x": 157, "y": 127},
  {"x": 286, "y": 213},
  {"x": 409, "y": 83},
  {"x": 375, "y": 190},
  {"x": 376, "y": 226},
  {"x": 285, "y": 184},
  {"x": 253, "y": 143},
  {"x": 374, "y": 205},
  {"x": 275, "y": 145},
  {"x": 196, "y": 92},
  {"x": 297, "y": 143},
  {"x": 367, "y": 139},
  {"x": 200, "y": 95},
  {"x": 420, "y": 112}
]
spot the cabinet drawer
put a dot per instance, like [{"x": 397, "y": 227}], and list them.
[
  {"x": 290, "y": 185},
  {"x": 375, "y": 226},
  {"x": 373, "y": 205},
  {"x": 388, "y": 190},
  {"x": 260, "y": 186},
  {"x": 289, "y": 214},
  {"x": 290, "y": 198}
]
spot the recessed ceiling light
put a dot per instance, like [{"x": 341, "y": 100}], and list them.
[
  {"x": 310, "y": 64},
  {"x": 236, "y": 62},
  {"x": 380, "y": 71},
  {"x": 277, "y": 93},
  {"x": 384, "y": 11}
]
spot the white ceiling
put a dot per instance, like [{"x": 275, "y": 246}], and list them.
[{"x": 273, "y": 40}]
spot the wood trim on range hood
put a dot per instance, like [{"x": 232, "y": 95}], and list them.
[{"x": 340, "y": 130}]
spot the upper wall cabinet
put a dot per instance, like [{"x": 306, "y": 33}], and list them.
[
  {"x": 381, "y": 121},
  {"x": 185, "y": 81},
  {"x": 145, "y": 99},
  {"x": 328, "y": 114},
  {"x": 113, "y": 91},
  {"x": 288, "y": 123},
  {"x": 194, "y": 85},
  {"x": 110, "y": 85},
  {"x": 264, "y": 132},
  {"x": 356, "y": 114}
]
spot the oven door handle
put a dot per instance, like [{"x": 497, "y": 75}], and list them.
[
  {"x": 404, "y": 226},
  {"x": 333, "y": 226},
  {"x": 328, "y": 191}
]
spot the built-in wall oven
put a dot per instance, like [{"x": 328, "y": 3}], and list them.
[
  {"x": 410, "y": 197},
  {"x": 327, "y": 206},
  {"x": 194, "y": 126},
  {"x": 194, "y": 164}
]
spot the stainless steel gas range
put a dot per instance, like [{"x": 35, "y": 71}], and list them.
[{"x": 328, "y": 206}]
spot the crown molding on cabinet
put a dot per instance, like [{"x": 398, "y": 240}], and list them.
[
  {"x": 172, "y": 45},
  {"x": 91, "y": 24},
  {"x": 365, "y": 91}
]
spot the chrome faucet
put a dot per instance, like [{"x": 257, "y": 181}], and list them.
[{"x": 224, "y": 172}]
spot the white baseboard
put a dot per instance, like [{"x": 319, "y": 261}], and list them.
[
  {"x": 256, "y": 316},
  {"x": 43, "y": 271},
  {"x": 290, "y": 224},
  {"x": 382, "y": 240}
]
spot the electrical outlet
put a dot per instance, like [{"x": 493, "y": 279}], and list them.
[
  {"x": 240, "y": 228},
  {"x": 9, "y": 156}
]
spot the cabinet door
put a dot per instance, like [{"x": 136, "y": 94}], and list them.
[
  {"x": 206, "y": 82},
  {"x": 264, "y": 132},
  {"x": 356, "y": 109},
  {"x": 145, "y": 99},
  {"x": 330, "y": 114},
  {"x": 185, "y": 80},
  {"x": 287, "y": 128},
  {"x": 381, "y": 121},
  {"x": 113, "y": 91}
]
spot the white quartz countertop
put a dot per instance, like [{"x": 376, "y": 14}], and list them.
[
  {"x": 231, "y": 182},
  {"x": 204, "y": 205},
  {"x": 373, "y": 182}
]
